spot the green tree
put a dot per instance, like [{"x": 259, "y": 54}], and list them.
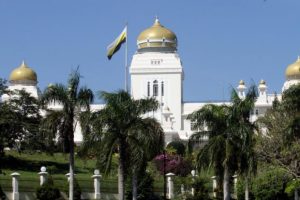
[
  {"x": 73, "y": 100},
  {"x": 122, "y": 127},
  {"x": 229, "y": 131},
  {"x": 279, "y": 139}
]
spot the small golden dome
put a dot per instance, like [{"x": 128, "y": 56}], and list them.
[
  {"x": 262, "y": 82},
  {"x": 157, "y": 36},
  {"x": 23, "y": 73},
  {"x": 293, "y": 70},
  {"x": 241, "y": 82}
]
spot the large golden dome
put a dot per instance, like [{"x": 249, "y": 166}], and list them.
[
  {"x": 23, "y": 74},
  {"x": 157, "y": 36},
  {"x": 293, "y": 70}
]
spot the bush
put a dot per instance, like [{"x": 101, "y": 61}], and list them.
[
  {"x": 178, "y": 146},
  {"x": 77, "y": 190},
  {"x": 145, "y": 189},
  {"x": 48, "y": 192},
  {"x": 271, "y": 185}
]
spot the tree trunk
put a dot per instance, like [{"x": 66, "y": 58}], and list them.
[
  {"x": 71, "y": 154},
  {"x": 226, "y": 184},
  {"x": 121, "y": 171},
  {"x": 246, "y": 189},
  {"x": 134, "y": 186},
  {"x": 296, "y": 194}
]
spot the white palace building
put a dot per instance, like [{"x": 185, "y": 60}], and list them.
[{"x": 156, "y": 71}]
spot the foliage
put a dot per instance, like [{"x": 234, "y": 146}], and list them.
[
  {"x": 279, "y": 139},
  {"x": 293, "y": 185},
  {"x": 63, "y": 122},
  {"x": 2, "y": 194},
  {"x": 230, "y": 145},
  {"x": 48, "y": 191},
  {"x": 77, "y": 190},
  {"x": 271, "y": 185},
  {"x": 145, "y": 188},
  {"x": 19, "y": 121},
  {"x": 121, "y": 127},
  {"x": 166, "y": 163},
  {"x": 241, "y": 189},
  {"x": 178, "y": 146}
]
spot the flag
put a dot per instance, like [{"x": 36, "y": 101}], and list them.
[{"x": 116, "y": 44}]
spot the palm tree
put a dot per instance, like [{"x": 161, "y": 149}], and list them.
[
  {"x": 229, "y": 132},
  {"x": 63, "y": 121},
  {"x": 121, "y": 127},
  {"x": 147, "y": 142}
]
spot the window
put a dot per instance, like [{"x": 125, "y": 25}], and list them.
[
  {"x": 162, "y": 88},
  {"x": 256, "y": 111},
  {"x": 148, "y": 89},
  {"x": 155, "y": 88}
]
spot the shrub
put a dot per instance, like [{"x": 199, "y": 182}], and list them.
[
  {"x": 271, "y": 185},
  {"x": 173, "y": 163},
  {"x": 145, "y": 188},
  {"x": 77, "y": 190},
  {"x": 178, "y": 147},
  {"x": 48, "y": 191}
]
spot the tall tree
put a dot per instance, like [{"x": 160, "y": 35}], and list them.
[
  {"x": 228, "y": 130},
  {"x": 279, "y": 141},
  {"x": 125, "y": 130},
  {"x": 73, "y": 101}
]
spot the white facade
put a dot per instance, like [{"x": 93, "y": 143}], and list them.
[{"x": 157, "y": 71}]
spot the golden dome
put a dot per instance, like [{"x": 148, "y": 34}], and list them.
[
  {"x": 262, "y": 82},
  {"x": 293, "y": 70},
  {"x": 241, "y": 82},
  {"x": 23, "y": 73},
  {"x": 157, "y": 36}
]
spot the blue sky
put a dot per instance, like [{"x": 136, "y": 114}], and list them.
[{"x": 220, "y": 42}]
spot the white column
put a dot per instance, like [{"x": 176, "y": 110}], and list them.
[
  {"x": 170, "y": 184},
  {"x": 97, "y": 177},
  {"x": 193, "y": 172},
  {"x": 15, "y": 185},
  {"x": 43, "y": 175},
  {"x": 214, "y": 179},
  {"x": 235, "y": 179}
]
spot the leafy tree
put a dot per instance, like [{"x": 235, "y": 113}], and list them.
[
  {"x": 73, "y": 100},
  {"x": 229, "y": 133},
  {"x": 279, "y": 141},
  {"x": 122, "y": 128}
]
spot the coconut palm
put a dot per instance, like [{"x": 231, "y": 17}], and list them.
[
  {"x": 73, "y": 100},
  {"x": 229, "y": 132},
  {"x": 122, "y": 128}
]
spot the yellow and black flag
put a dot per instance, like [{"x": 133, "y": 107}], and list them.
[{"x": 116, "y": 44}]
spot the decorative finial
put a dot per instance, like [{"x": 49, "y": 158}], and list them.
[
  {"x": 156, "y": 19},
  {"x": 23, "y": 63},
  {"x": 298, "y": 58}
]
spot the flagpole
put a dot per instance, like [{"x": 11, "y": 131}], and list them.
[{"x": 126, "y": 58}]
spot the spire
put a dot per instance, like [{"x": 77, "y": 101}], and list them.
[{"x": 23, "y": 63}]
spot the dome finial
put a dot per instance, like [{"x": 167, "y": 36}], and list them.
[
  {"x": 298, "y": 58},
  {"x": 23, "y": 64}
]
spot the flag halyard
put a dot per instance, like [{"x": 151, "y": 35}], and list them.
[{"x": 117, "y": 43}]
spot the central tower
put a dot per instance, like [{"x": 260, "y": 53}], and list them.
[{"x": 156, "y": 71}]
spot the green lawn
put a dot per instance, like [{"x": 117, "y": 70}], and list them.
[{"x": 28, "y": 165}]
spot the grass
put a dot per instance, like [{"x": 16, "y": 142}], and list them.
[{"x": 28, "y": 165}]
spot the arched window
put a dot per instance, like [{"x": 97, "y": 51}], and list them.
[
  {"x": 155, "y": 88},
  {"x": 148, "y": 89},
  {"x": 162, "y": 88}
]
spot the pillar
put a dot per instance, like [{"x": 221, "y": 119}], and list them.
[
  {"x": 193, "y": 172},
  {"x": 97, "y": 178},
  {"x": 15, "y": 185},
  {"x": 214, "y": 179},
  {"x": 170, "y": 184},
  {"x": 43, "y": 175}
]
